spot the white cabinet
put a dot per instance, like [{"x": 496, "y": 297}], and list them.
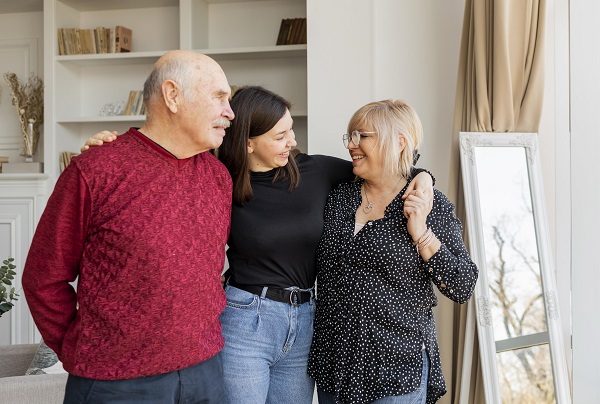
[
  {"x": 240, "y": 35},
  {"x": 22, "y": 200}
]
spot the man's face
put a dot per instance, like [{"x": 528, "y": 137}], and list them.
[{"x": 209, "y": 112}]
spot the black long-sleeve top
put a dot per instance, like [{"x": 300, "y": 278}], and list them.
[
  {"x": 274, "y": 237},
  {"x": 375, "y": 298}
]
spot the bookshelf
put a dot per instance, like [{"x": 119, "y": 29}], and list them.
[{"x": 239, "y": 34}]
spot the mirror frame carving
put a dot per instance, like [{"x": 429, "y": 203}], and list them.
[{"x": 487, "y": 343}]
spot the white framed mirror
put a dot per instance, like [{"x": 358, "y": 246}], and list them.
[{"x": 521, "y": 345}]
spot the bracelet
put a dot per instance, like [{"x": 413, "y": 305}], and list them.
[
  {"x": 425, "y": 244},
  {"x": 425, "y": 240},
  {"x": 415, "y": 243}
]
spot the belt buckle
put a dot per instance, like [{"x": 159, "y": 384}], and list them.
[{"x": 294, "y": 297}]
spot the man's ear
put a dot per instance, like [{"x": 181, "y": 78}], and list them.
[{"x": 171, "y": 95}]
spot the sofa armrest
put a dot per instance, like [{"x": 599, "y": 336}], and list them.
[
  {"x": 34, "y": 389},
  {"x": 15, "y": 359}
]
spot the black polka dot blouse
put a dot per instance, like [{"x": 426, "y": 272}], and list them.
[{"x": 375, "y": 297}]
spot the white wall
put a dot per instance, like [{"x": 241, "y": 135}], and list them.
[
  {"x": 21, "y": 52},
  {"x": 339, "y": 69},
  {"x": 556, "y": 117},
  {"x": 416, "y": 48},
  {"x": 381, "y": 49},
  {"x": 585, "y": 197}
]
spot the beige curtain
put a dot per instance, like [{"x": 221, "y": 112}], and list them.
[{"x": 499, "y": 89}]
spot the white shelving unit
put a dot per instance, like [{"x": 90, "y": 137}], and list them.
[{"x": 239, "y": 34}]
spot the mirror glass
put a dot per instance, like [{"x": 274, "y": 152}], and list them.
[
  {"x": 521, "y": 344},
  {"x": 513, "y": 272}
]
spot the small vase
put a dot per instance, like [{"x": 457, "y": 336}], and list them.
[{"x": 28, "y": 140}]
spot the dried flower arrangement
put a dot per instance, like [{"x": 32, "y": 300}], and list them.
[{"x": 29, "y": 99}]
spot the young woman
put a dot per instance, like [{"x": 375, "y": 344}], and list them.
[{"x": 276, "y": 224}]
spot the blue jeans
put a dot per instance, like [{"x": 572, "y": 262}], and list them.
[
  {"x": 198, "y": 384},
  {"x": 418, "y": 396},
  {"x": 266, "y": 349}
]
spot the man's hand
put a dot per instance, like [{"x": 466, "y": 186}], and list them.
[{"x": 99, "y": 138}]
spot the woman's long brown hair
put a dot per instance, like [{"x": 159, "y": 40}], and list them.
[{"x": 257, "y": 110}]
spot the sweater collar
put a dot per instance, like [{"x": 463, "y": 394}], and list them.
[{"x": 159, "y": 149}]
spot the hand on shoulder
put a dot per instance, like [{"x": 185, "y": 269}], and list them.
[{"x": 99, "y": 138}]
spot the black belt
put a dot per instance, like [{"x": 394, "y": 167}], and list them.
[{"x": 295, "y": 297}]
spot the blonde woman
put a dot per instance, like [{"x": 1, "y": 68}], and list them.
[{"x": 377, "y": 262}]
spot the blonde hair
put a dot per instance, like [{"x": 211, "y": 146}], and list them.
[{"x": 392, "y": 120}]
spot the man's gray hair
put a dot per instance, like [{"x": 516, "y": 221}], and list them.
[{"x": 184, "y": 72}]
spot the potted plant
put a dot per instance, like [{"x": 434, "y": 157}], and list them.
[{"x": 7, "y": 291}]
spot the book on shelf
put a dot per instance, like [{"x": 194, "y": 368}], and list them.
[
  {"x": 302, "y": 34},
  {"x": 296, "y": 31},
  {"x": 129, "y": 104},
  {"x": 284, "y": 29},
  {"x": 111, "y": 40},
  {"x": 88, "y": 42},
  {"x": 99, "y": 37},
  {"x": 292, "y": 31},
  {"x": 84, "y": 41},
  {"x": 122, "y": 39},
  {"x": 135, "y": 103},
  {"x": 3, "y": 159},
  {"x": 71, "y": 41},
  {"x": 65, "y": 159}
]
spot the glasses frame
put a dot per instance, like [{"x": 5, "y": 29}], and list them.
[{"x": 354, "y": 137}]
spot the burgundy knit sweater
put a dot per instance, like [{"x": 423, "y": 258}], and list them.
[{"x": 145, "y": 235}]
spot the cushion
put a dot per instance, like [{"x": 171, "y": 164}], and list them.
[{"x": 44, "y": 362}]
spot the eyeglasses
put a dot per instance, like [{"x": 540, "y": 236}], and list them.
[{"x": 355, "y": 137}]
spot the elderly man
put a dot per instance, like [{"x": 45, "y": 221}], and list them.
[{"x": 142, "y": 225}]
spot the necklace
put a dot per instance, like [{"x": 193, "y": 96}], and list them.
[{"x": 367, "y": 209}]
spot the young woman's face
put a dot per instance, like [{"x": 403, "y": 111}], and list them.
[{"x": 272, "y": 149}]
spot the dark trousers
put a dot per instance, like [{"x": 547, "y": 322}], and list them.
[{"x": 201, "y": 383}]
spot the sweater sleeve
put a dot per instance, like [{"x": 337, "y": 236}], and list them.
[
  {"x": 338, "y": 171},
  {"x": 54, "y": 256}
]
